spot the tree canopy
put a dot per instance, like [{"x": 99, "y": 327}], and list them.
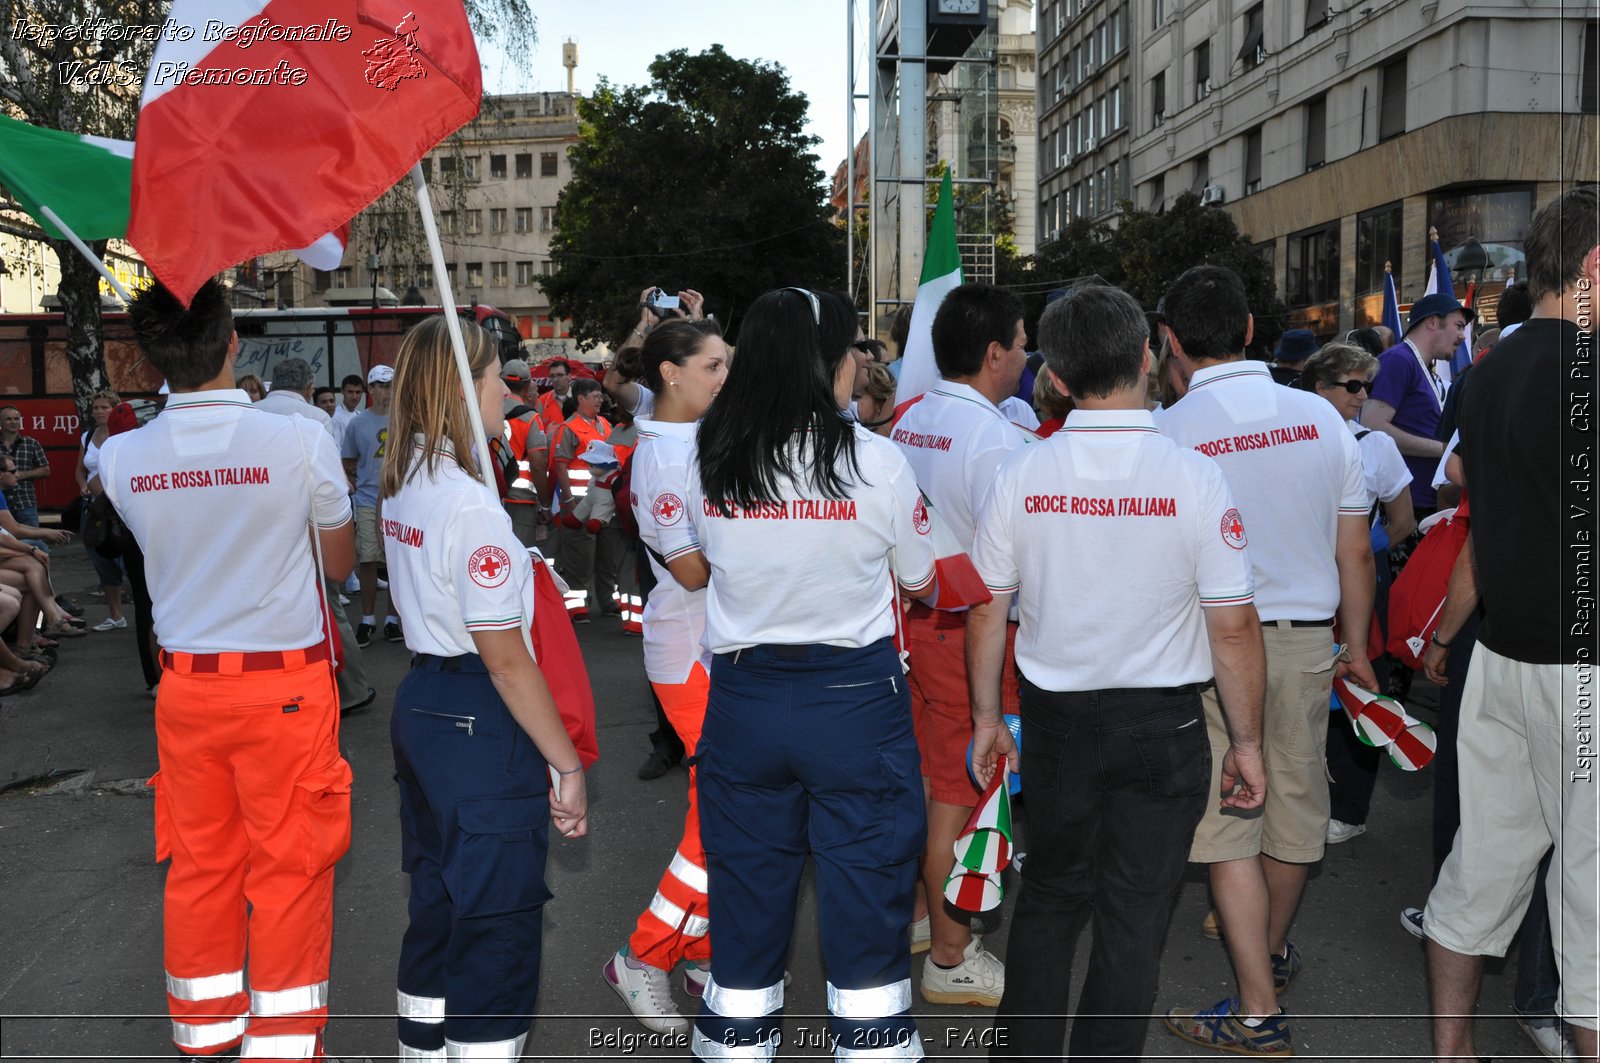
[{"x": 702, "y": 179}]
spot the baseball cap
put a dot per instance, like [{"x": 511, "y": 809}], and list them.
[
  {"x": 516, "y": 370},
  {"x": 1437, "y": 304},
  {"x": 380, "y": 374}
]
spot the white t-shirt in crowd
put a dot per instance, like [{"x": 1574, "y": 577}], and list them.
[
  {"x": 293, "y": 404},
  {"x": 1019, "y": 412},
  {"x": 219, "y": 493},
  {"x": 954, "y": 439},
  {"x": 809, "y": 568},
  {"x": 1113, "y": 538},
  {"x": 644, "y": 406},
  {"x": 1383, "y": 470},
  {"x": 455, "y": 567},
  {"x": 674, "y": 618},
  {"x": 1294, "y": 468},
  {"x": 342, "y": 415}
]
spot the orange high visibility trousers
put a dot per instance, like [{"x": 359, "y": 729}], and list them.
[
  {"x": 252, "y": 805},
  {"x": 676, "y": 924}
]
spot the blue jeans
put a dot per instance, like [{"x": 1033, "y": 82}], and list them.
[
  {"x": 1116, "y": 782},
  {"x": 108, "y": 569}
]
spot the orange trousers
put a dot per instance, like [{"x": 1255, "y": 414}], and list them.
[
  {"x": 675, "y": 926},
  {"x": 252, "y": 805}
]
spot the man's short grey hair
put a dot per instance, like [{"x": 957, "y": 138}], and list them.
[
  {"x": 291, "y": 374},
  {"x": 1093, "y": 338}
]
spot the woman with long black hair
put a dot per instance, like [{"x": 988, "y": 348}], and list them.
[{"x": 812, "y": 527}]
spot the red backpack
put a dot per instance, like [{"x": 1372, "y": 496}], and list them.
[{"x": 1417, "y": 597}]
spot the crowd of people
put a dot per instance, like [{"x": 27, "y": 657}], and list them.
[{"x": 765, "y": 519}]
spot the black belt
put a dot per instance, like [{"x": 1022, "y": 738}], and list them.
[
  {"x": 466, "y": 662},
  {"x": 1299, "y": 623}
]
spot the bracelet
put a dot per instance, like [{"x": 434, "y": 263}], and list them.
[
  {"x": 574, "y": 771},
  {"x": 1438, "y": 643},
  {"x": 636, "y": 332}
]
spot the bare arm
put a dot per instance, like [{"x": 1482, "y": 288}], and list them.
[
  {"x": 521, "y": 685},
  {"x": 1460, "y": 599},
  {"x": 338, "y": 551},
  {"x": 1400, "y": 515},
  {"x": 692, "y": 570},
  {"x": 81, "y": 473},
  {"x": 1239, "y": 659},
  {"x": 1379, "y": 416},
  {"x": 625, "y": 392},
  {"x": 1357, "y": 580},
  {"x": 986, "y": 653}
]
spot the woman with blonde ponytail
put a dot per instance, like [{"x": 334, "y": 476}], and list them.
[{"x": 481, "y": 755}]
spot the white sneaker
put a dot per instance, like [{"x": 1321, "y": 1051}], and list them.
[
  {"x": 383, "y": 584},
  {"x": 344, "y": 599},
  {"x": 648, "y": 994},
  {"x": 1550, "y": 1036},
  {"x": 109, "y": 624},
  {"x": 921, "y": 936},
  {"x": 695, "y": 978},
  {"x": 1340, "y": 831},
  {"x": 1411, "y": 919},
  {"x": 979, "y": 980}
]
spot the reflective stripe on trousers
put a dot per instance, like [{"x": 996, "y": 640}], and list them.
[
  {"x": 289, "y": 1001},
  {"x": 280, "y": 1046},
  {"x": 209, "y": 1034},
  {"x": 499, "y": 1051}
]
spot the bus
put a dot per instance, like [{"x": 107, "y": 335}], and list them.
[{"x": 336, "y": 341}]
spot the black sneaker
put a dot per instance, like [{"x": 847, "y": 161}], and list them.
[
  {"x": 659, "y": 763},
  {"x": 391, "y": 632},
  {"x": 364, "y": 635}
]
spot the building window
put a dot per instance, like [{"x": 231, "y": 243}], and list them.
[
  {"x": 474, "y": 222},
  {"x": 1377, "y": 242},
  {"x": 547, "y": 218},
  {"x": 547, "y": 164},
  {"x": 343, "y": 276},
  {"x": 321, "y": 280},
  {"x": 1317, "y": 13},
  {"x": 1158, "y": 190},
  {"x": 1316, "y": 113},
  {"x": 1158, "y": 99},
  {"x": 1158, "y": 14},
  {"x": 474, "y": 274},
  {"x": 544, "y": 267},
  {"x": 1116, "y": 106},
  {"x": 1313, "y": 266},
  {"x": 525, "y": 164},
  {"x": 497, "y": 167},
  {"x": 1202, "y": 173},
  {"x": 524, "y": 272},
  {"x": 524, "y": 219},
  {"x": 1094, "y": 53},
  {"x": 497, "y": 220},
  {"x": 447, "y": 222},
  {"x": 1254, "y": 52},
  {"x": 427, "y": 169},
  {"x": 500, "y": 275},
  {"x": 1252, "y": 161},
  {"x": 1589, "y": 86},
  {"x": 450, "y": 274},
  {"x": 1202, "y": 71},
  {"x": 1119, "y": 29},
  {"x": 470, "y": 166},
  {"x": 1482, "y": 231},
  {"x": 447, "y": 167},
  {"x": 1392, "y": 111}
]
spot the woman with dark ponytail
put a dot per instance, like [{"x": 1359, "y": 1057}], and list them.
[{"x": 812, "y": 527}]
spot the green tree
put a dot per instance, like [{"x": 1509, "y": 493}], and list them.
[
  {"x": 702, "y": 179},
  {"x": 1144, "y": 252}
]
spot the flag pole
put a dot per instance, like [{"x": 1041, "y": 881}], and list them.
[
  {"x": 83, "y": 249},
  {"x": 452, "y": 323}
]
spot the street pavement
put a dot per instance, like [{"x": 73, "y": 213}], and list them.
[{"x": 80, "y": 894}]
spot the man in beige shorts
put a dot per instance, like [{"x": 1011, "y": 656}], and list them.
[{"x": 1294, "y": 470}]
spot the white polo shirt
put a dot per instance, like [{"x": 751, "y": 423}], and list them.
[
  {"x": 954, "y": 439},
  {"x": 1113, "y": 539},
  {"x": 218, "y": 494},
  {"x": 674, "y": 618},
  {"x": 1383, "y": 470},
  {"x": 1294, "y": 468},
  {"x": 455, "y": 566},
  {"x": 808, "y": 568}
]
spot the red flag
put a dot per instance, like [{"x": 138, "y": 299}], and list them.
[
  {"x": 267, "y": 123},
  {"x": 555, "y": 646}
]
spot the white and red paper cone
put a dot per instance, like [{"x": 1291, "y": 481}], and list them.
[
  {"x": 1382, "y": 722},
  {"x": 983, "y": 849}
]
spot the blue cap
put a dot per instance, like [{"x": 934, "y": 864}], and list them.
[
  {"x": 1436, "y": 305},
  {"x": 1295, "y": 345}
]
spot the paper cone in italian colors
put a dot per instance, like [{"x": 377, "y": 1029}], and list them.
[
  {"x": 972, "y": 892},
  {"x": 983, "y": 848},
  {"x": 1415, "y": 747},
  {"x": 1382, "y": 722}
]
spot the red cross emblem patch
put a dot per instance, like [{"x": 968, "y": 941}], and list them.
[
  {"x": 1233, "y": 529},
  {"x": 919, "y": 517},
  {"x": 667, "y": 510},
  {"x": 489, "y": 566}
]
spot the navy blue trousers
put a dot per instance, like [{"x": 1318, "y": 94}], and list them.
[
  {"x": 474, "y": 819},
  {"x": 809, "y": 751}
]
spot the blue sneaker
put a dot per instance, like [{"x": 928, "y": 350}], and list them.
[
  {"x": 1285, "y": 967},
  {"x": 1222, "y": 1028}
]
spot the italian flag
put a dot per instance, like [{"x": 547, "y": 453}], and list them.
[
  {"x": 265, "y": 124},
  {"x": 87, "y": 183},
  {"x": 983, "y": 848},
  {"x": 941, "y": 271}
]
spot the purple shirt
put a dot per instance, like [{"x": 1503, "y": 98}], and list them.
[{"x": 1402, "y": 384}]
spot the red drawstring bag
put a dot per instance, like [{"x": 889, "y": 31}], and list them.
[
  {"x": 555, "y": 646},
  {"x": 1417, "y": 597}
]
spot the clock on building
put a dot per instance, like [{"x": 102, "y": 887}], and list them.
[
  {"x": 958, "y": 7},
  {"x": 952, "y": 27}
]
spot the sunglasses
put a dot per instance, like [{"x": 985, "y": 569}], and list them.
[
  {"x": 816, "y": 306},
  {"x": 1353, "y": 386}
]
